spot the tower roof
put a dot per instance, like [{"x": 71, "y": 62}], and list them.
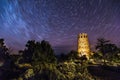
[{"x": 82, "y": 34}]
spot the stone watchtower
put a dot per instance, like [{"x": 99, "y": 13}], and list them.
[{"x": 83, "y": 45}]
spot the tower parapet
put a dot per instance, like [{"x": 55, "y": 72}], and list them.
[{"x": 83, "y": 45}]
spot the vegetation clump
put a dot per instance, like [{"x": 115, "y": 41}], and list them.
[{"x": 39, "y": 62}]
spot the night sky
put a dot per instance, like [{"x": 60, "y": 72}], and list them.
[{"x": 58, "y": 21}]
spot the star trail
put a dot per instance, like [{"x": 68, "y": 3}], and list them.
[{"x": 58, "y": 21}]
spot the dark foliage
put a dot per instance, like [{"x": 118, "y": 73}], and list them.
[{"x": 38, "y": 62}]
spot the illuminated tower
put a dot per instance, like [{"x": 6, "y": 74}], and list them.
[{"x": 83, "y": 45}]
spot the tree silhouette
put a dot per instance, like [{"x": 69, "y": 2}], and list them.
[
  {"x": 38, "y": 51},
  {"x": 101, "y": 46},
  {"x": 28, "y": 51},
  {"x": 101, "y": 42},
  {"x": 3, "y": 50},
  {"x": 112, "y": 51},
  {"x": 8, "y": 69},
  {"x": 48, "y": 51},
  {"x": 106, "y": 48}
]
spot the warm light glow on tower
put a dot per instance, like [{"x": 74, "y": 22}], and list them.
[{"x": 83, "y": 45}]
